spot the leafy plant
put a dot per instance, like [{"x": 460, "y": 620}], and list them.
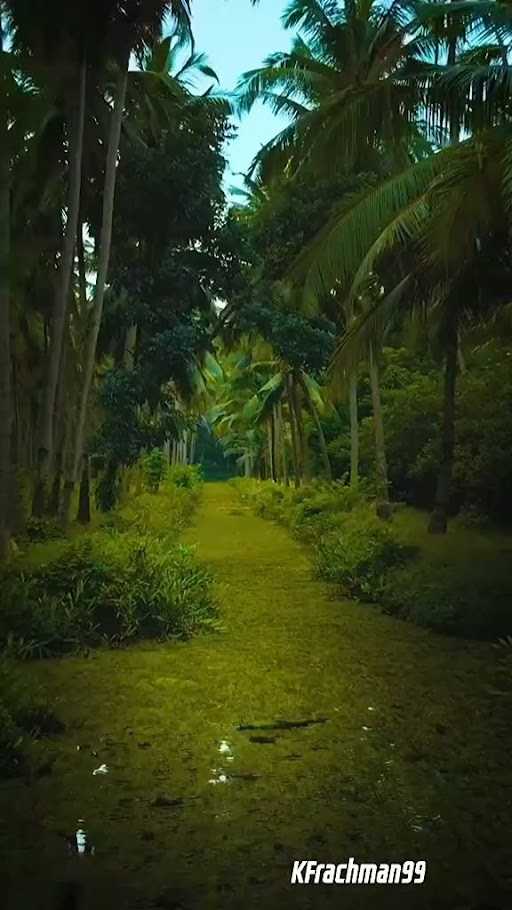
[
  {"x": 358, "y": 554},
  {"x": 155, "y": 467},
  {"x": 111, "y": 588},
  {"x": 186, "y": 476}
]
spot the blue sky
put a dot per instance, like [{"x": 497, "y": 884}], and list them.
[{"x": 237, "y": 37}]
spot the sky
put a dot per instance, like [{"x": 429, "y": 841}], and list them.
[{"x": 237, "y": 37}]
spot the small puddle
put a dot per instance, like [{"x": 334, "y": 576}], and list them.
[{"x": 79, "y": 843}]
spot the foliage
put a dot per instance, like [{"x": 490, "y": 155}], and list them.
[
  {"x": 357, "y": 555},
  {"x": 155, "y": 467},
  {"x": 411, "y": 395},
  {"x": 472, "y": 599},
  {"x": 110, "y": 588},
  {"x": 187, "y": 477},
  {"x": 130, "y": 579},
  {"x": 37, "y": 529},
  {"x": 458, "y": 586}
]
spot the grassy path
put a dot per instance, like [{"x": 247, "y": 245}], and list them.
[{"x": 411, "y": 762}]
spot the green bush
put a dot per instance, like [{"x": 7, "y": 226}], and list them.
[
  {"x": 37, "y": 529},
  {"x": 185, "y": 475},
  {"x": 458, "y": 585},
  {"x": 109, "y": 588},
  {"x": 473, "y": 600},
  {"x": 358, "y": 554},
  {"x": 155, "y": 467},
  {"x": 309, "y": 510}
]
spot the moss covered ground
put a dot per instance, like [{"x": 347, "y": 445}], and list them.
[{"x": 412, "y": 761}]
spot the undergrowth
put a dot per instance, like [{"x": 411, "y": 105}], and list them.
[{"x": 458, "y": 584}]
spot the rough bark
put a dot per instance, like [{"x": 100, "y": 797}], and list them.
[
  {"x": 439, "y": 518},
  {"x": 60, "y": 305},
  {"x": 103, "y": 265}
]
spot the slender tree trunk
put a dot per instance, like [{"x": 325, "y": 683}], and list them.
[
  {"x": 461, "y": 361},
  {"x": 82, "y": 271},
  {"x": 130, "y": 343},
  {"x": 354, "y": 429},
  {"x": 60, "y": 306},
  {"x": 5, "y": 331},
  {"x": 282, "y": 444},
  {"x": 295, "y": 435},
  {"x": 54, "y": 502},
  {"x": 383, "y": 507},
  {"x": 321, "y": 436},
  {"x": 352, "y": 404},
  {"x": 301, "y": 433},
  {"x": 193, "y": 445},
  {"x": 84, "y": 497},
  {"x": 275, "y": 445},
  {"x": 453, "y": 114},
  {"x": 439, "y": 518},
  {"x": 103, "y": 264},
  {"x": 270, "y": 440}
]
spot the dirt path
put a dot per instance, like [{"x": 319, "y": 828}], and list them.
[{"x": 410, "y": 763}]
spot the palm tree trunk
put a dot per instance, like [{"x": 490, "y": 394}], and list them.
[
  {"x": 193, "y": 445},
  {"x": 270, "y": 441},
  {"x": 321, "y": 436},
  {"x": 103, "y": 264},
  {"x": 354, "y": 429},
  {"x": 295, "y": 435},
  {"x": 383, "y": 509},
  {"x": 439, "y": 518},
  {"x": 5, "y": 333},
  {"x": 84, "y": 498},
  {"x": 129, "y": 347},
  {"x": 282, "y": 444},
  {"x": 301, "y": 433},
  {"x": 275, "y": 444},
  {"x": 352, "y": 403},
  {"x": 48, "y": 410}
]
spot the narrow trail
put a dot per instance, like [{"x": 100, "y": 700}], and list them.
[{"x": 195, "y": 812}]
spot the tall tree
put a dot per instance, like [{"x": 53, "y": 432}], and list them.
[{"x": 5, "y": 322}]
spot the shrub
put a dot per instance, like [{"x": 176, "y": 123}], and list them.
[
  {"x": 155, "y": 467},
  {"x": 357, "y": 555},
  {"x": 110, "y": 588},
  {"x": 37, "y": 529},
  {"x": 473, "y": 600},
  {"x": 187, "y": 476}
]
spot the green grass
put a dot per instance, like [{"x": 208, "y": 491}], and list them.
[
  {"x": 458, "y": 583},
  {"x": 425, "y": 774}
]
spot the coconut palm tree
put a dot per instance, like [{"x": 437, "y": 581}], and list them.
[
  {"x": 24, "y": 110},
  {"x": 437, "y": 235},
  {"x": 345, "y": 86},
  {"x": 137, "y": 27},
  {"x": 5, "y": 321}
]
